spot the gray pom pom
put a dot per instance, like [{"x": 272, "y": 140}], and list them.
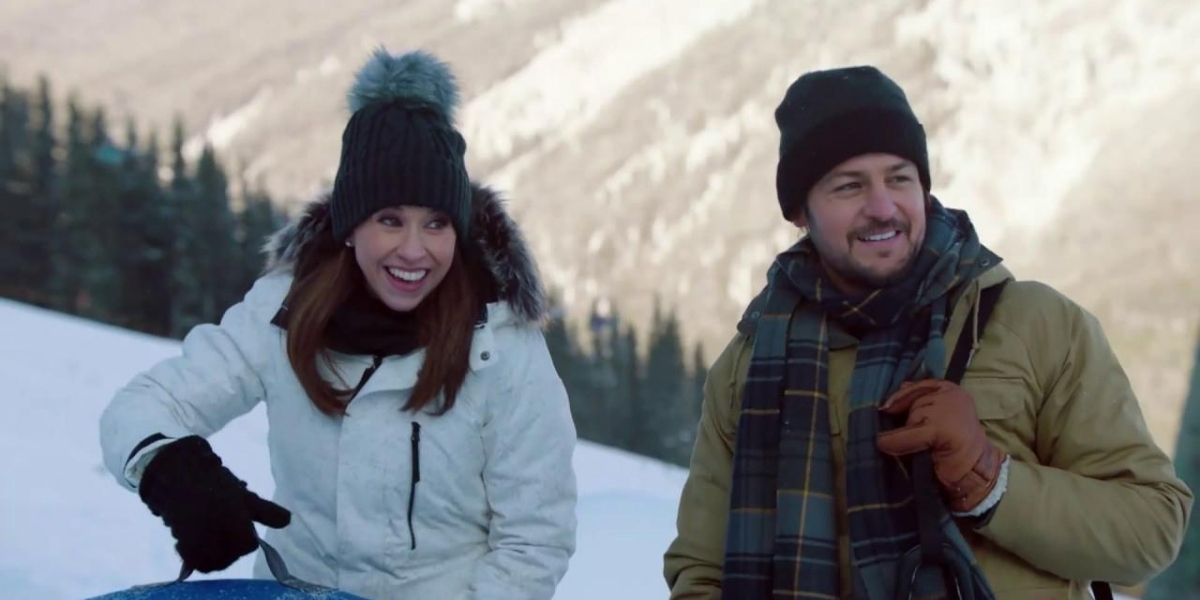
[{"x": 415, "y": 76}]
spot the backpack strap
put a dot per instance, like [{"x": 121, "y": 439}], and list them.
[
  {"x": 933, "y": 549},
  {"x": 979, "y": 318}
]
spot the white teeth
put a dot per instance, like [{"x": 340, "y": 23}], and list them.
[
  {"x": 879, "y": 237},
  {"x": 409, "y": 276}
]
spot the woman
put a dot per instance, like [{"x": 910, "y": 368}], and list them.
[{"x": 420, "y": 437}]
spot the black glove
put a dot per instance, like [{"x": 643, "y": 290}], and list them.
[{"x": 209, "y": 510}]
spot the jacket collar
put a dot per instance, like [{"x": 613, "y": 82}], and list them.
[{"x": 400, "y": 372}]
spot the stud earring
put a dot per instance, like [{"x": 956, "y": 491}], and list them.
[{"x": 349, "y": 244}]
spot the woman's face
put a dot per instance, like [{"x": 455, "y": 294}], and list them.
[{"x": 404, "y": 252}]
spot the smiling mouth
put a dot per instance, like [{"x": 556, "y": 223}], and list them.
[
  {"x": 407, "y": 275},
  {"x": 882, "y": 236}
]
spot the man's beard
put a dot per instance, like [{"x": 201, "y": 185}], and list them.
[{"x": 859, "y": 276}]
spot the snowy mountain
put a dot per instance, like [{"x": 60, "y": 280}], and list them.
[
  {"x": 69, "y": 531},
  {"x": 635, "y": 137}
]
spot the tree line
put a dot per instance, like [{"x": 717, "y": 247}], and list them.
[
  {"x": 645, "y": 400},
  {"x": 121, "y": 230},
  {"x": 105, "y": 228}
]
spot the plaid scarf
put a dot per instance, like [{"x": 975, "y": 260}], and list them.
[{"x": 782, "y": 538}]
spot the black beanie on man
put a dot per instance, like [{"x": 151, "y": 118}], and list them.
[
  {"x": 828, "y": 117},
  {"x": 400, "y": 146}
]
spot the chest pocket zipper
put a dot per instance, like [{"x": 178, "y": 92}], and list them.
[{"x": 416, "y": 477}]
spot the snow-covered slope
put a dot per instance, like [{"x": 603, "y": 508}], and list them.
[{"x": 68, "y": 531}]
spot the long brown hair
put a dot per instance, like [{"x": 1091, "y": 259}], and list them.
[{"x": 326, "y": 274}]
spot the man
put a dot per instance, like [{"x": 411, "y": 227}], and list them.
[{"x": 799, "y": 485}]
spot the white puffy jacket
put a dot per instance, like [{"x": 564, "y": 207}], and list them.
[{"x": 493, "y": 510}]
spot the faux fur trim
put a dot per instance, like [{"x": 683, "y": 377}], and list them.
[{"x": 493, "y": 232}]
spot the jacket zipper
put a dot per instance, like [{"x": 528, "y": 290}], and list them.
[
  {"x": 416, "y": 447},
  {"x": 416, "y": 476},
  {"x": 362, "y": 382}
]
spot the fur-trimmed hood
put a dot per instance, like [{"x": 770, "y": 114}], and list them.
[{"x": 493, "y": 232}]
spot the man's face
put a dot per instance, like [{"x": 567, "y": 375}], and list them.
[{"x": 866, "y": 218}]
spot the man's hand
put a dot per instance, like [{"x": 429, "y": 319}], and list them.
[{"x": 942, "y": 419}]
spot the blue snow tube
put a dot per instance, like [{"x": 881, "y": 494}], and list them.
[
  {"x": 285, "y": 587},
  {"x": 225, "y": 589}
]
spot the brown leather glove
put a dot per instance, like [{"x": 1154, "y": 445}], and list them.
[{"x": 941, "y": 419}]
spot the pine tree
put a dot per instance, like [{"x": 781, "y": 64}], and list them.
[
  {"x": 42, "y": 230},
  {"x": 215, "y": 224},
  {"x": 1182, "y": 578},
  {"x": 666, "y": 428},
  {"x": 576, "y": 368},
  {"x": 147, "y": 233},
  {"x": 67, "y": 285},
  {"x": 600, "y": 383},
  {"x": 187, "y": 248},
  {"x": 569, "y": 363},
  {"x": 698, "y": 374},
  {"x": 623, "y": 405},
  {"x": 26, "y": 176},
  {"x": 256, "y": 222},
  {"x": 558, "y": 340},
  {"x": 15, "y": 194},
  {"x": 102, "y": 248}
]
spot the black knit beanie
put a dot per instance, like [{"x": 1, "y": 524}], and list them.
[
  {"x": 400, "y": 146},
  {"x": 828, "y": 117}
]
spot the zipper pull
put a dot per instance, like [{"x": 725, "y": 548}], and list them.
[
  {"x": 416, "y": 476},
  {"x": 362, "y": 382},
  {"x": 416, "y": 451}
]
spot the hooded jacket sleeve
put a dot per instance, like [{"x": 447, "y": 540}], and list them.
[
  {"x": 217, "y": 377},
  {"x": 1099, "y": 500},
  {"x": 529, "y": 440},
  {"x": 693, "y": 563}
]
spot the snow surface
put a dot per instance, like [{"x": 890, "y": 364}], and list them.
[{"x": 67, "y": 530}]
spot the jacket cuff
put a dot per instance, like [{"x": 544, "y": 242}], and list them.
[
  {"x": 135, "y": 467},
  {"x": 993, "y": 498}
]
